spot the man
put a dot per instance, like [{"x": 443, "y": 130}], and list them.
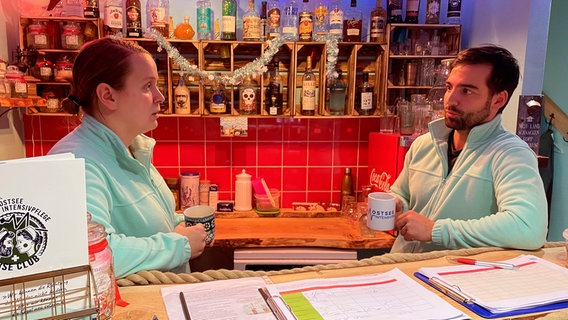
[{"x": 469, "y": 182}]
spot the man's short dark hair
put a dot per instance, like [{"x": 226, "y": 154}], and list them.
[{"x": 505, "y": 68}]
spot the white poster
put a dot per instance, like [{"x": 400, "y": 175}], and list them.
[{"x": 43, "y": 227}]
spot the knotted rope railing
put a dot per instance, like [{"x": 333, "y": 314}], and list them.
[{"x": 155, "y": 277}]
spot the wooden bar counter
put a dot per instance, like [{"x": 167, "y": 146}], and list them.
[
  {"x": 289, "y": 229},
  {"x": 146, "y": 301},
  {"x": 296, "y": 229}
]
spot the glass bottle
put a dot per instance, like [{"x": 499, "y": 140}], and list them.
[
  {"x": 378, "y": 23},
  {"x": 454, "y": 12},
  {"x": 251, "y": 23},
  {"x": 352, "y": 23},
  {"x": 273, "y": 16},
  {"x": 433, "y": 11},
  {"x": 158, "y": 12},
  {"x": 5, "y": 91},
  {"x": 308, "y": 90},
  {"x": 337, "y": 95},
  {"x": 436, "y": 94},
  {"x": 274, "y": 95},
  {"x": 91, "y": 9},
  {"x": 17, "y": 82},
  {"x": 365, "y": 102},
  {"x": 336, "y": 19},
  {"x": 72, "y": 38},
  {"x": 305, "y": 22},
  {"x": 113, "y": 17},
  {"x": 394, "y": 11},
  {"x": 133, "y": 19},
  {"x": 290, "y": 21},
  {"x": 263, "y": 21},
  {"x": 412, "y": 7},
  {"x": 248, "y": 97},
  {"x": 183, "y": 30},
  {"x": 38, "y": 36},
  {"x": 321, "y": 22},
  {"x": 229, "y": 20},
  {"x": 346, "y": 187},
  {"x": 100, "y": 259},
  {"x": 204, "y": 20},
  {"x": 181, "y": 96},
  {"x": 218, "y": 103}
]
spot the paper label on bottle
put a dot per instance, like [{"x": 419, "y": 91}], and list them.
[
  {"x": 366, "y": 100},
  {"x": 320, "y": 14},
  {"x": 113, "y": 17},
  {"x": 229, "y": 24},
  {"x": 336, "y": 16},
  {"x": 40, "y": 39},
  {"x": 309, "y": 95},
  {"x": 158, "y": 17},
  {"x": 274, "y": 18},
  {"x": 204, "y": 20},
  {"x": 251, "y": 27}
]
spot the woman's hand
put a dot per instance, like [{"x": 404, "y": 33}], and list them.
[{"x": 195, "y": 235}]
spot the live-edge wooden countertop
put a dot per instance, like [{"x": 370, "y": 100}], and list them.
[{"x": 296, "y": 229}]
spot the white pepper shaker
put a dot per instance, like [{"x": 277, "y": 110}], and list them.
[{"x": 243, "y": 192}]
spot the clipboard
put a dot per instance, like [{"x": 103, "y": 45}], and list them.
[{"x": 479, "y": 310}]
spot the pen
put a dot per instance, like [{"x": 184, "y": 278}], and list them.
[
  {"x": 271, "y": 304},
  {"x": 184, "y": 306},
  {"x": 453, "y": 292},
  {"x": 500, "y": 265}
]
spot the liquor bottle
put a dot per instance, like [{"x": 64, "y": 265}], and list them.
[
  {"x": 263, "y": 21},
  {"x": 394, "y": 11},
  {"x": 181, "y": 96},
  {"x": 218, "y": 103},
  {"x": 346, "y": 187},
  {"x": 274, "y": 95},
  {"x": 433, "y": 11},
  {"x": 158, "y": 12},
  {"x": 378, "y": 23},
  {"x": 229, "y": 20},
  {"x": 290, "y": 21},
  {"x": 113, "y": 17},
  {"x": 184, "y": 30},
  {"x": 412, "y": 11},
  {"x": 352, "y": 23},
  {"x": 273, "y": 16},
  {"x": 308, "y": 90},
  {"x": 133, "y": 19},
  {"x": 204, "y": 20},
  {"x": 251, "y": 23},
  {"x": 305, "y": 22},
  {"x": 454, "y": 12},
  {"x": 91, "y": 9},
  {"x": 248, "y": 97},
  {"x": 337, "y": 95},
  {"x": 320, "y": 21},
  {"x": 336, "y": 20},
  {"x": 365, "y": 102}
]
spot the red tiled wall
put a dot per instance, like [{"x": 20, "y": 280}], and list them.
[{"x": 305, "y": 158}]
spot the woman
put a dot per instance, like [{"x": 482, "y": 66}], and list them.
[{"x": 115, "y": 85}]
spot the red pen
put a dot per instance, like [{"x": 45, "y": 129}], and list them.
[{"x": 500, "y": 265}]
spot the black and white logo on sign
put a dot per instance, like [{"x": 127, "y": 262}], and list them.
[{"x": 23, "y": 234}]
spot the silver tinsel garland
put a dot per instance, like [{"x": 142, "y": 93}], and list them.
[{"x": 254, "y": 68}]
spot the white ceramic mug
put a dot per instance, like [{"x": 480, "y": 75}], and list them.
[
  {"x": 201, "y": 214},
  {"x": 380, "y": 215}
]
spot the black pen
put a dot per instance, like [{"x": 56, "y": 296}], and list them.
[{"x": 184, "y": 306}]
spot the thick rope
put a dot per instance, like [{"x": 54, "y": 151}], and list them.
[{"x": 154, "y": 277}]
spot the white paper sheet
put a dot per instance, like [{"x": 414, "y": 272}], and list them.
[
  {"x": 221, "y": 299},
  {"x": 536, "y": 282}
]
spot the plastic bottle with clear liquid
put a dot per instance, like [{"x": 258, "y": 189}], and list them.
[{"x": 436, "y": 94}]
